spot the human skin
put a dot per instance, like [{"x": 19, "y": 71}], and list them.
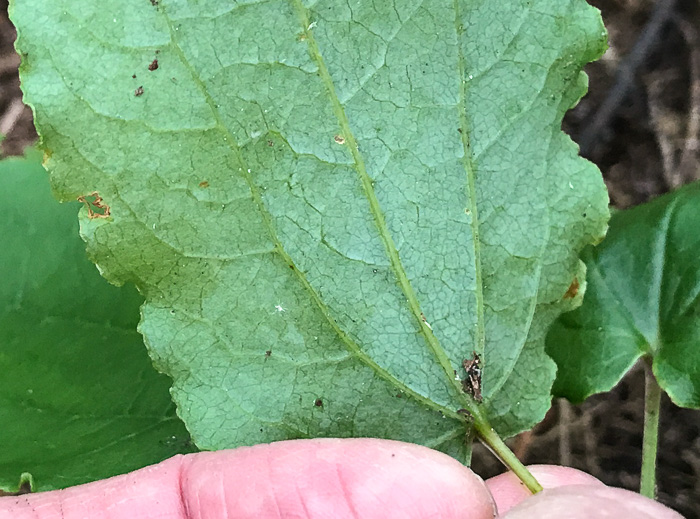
[
  {"x": 590, "y": 502},
  {"x": 508, "y": 490},
  {"x": 304, "y": 479}
]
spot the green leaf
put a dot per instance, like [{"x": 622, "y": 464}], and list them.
[
  {"x": 328, "y": 207},
  {"x": 642, "y": 301},
  {"x": 79, "y": 399}
]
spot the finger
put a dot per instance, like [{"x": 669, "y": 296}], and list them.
[
  {"x": 590, "y": 502},
  {"x": 304, "y": 478},
  {"x": 508, "y": 490}
]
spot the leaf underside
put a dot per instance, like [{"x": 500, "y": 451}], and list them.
[
  {"x": 643, "y": 300},
  {"x": 79, "y": 399},
  {"x": 328, "y": 207}
]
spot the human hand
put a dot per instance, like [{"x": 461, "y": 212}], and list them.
[{"x": 322, "y": 478}]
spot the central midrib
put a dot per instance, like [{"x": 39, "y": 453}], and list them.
[
  {"x": 375, "y": 208},
  {"x": 480, "y": 345},
  {"x": 657, "y": 285},
  {"x": 374, "y": 204}
]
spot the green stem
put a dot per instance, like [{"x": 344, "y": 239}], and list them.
[
  {"x": 496, "y": 445},
  {"x": 652, "y": 404}
]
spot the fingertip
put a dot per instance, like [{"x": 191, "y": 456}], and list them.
[
  {"x": 508, "y": 490},
  {"x": 334, "y": 478},
  {"x": 590, "y": 502}
]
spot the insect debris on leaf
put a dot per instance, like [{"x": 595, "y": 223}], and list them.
[
  {"x": 472, "y": 383},
  {"x": 96, "y": 207}
]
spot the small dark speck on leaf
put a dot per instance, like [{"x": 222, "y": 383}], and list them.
[
  {"x": 203, "y": 184},
  {"x": 393, "y": 455},
  {"x": 268, "y": 353},
  {"x": 154, "y": 65},
  {"x": 399, "y": 395},
  {"x": 139, "y": 91},
  {"x": 584, "y": 215},
  {"x": 459, "y": 130},
  {"x": 133, "y": 76},
  {"x": 573, "y": 289},
  {"x": 292, "y": 267},
  {"x": 339, "y": 139},
  {"x": 270, "y": 144},
  {"x": 318, "y": 402},
  {"x": 466, "y": 414}
]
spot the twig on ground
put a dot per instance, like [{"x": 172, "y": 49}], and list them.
[
  {"x": 566, "y": 418},
  {"x": 11, "y": 116},
  {"x": 688, "y": 167},
  {"x": 664, "y": 124},
  {"x": 625, "y": 78}
]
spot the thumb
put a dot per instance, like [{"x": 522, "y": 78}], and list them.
[{"x": 301, "y": 478}]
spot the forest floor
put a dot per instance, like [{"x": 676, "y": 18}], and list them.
[{"x": 640, "y": 123}]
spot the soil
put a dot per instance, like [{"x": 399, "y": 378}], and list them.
[{"x": 640, "y": 123}]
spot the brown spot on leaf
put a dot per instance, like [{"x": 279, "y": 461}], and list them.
[
  {"x": 573, "y": 289},
  {"x": 270, "y": 144},
  {"x": 154, "y": 65},
  {"x": 133, "y": 76},
  {"x": 318, "y": 402},
  {"x": 204, "y": 184},
  {"x": 339, "y": 139},
  {"x": 268, "y": 353},
  {"x": 139, "y": 91},
  {"x": 96, "y": 207}
]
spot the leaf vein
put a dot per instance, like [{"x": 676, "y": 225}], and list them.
[
  {"x": 375, "y": 209},
  {"x": 471, "y": 185},
  {"x": 350, "y": 344}
]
